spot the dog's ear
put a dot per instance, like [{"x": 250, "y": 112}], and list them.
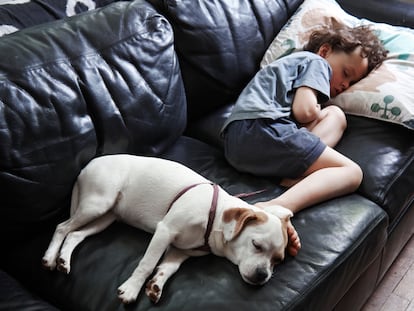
[
  {"x": 279, "y": 211},
  {"x": 235, "y": 219}
]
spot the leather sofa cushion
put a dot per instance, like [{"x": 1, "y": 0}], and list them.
[
  {"x": 220, "y": 44},
  {"x": 96, "y": 83},
  {"x": 344, "y": 235},
  {"x": 14, "y": 297},
  {"x": 385, "y": 153}
]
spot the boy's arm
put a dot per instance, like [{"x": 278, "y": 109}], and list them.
[{"x": 305, "y": 107}]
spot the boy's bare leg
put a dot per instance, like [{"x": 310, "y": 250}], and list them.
[
  {"x": 332, "y": 175},
  {"x": 330, "y": 125}
]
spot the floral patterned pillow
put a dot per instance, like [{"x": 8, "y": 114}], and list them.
[{"x": 387, "y": 93}]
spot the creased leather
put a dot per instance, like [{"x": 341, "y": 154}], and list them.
[
  {"x": 348, "y": 242},
  {"x": 220, "y": 45},
  {"x": 99, "y": 83}
]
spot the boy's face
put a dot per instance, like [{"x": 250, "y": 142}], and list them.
[{"x": 347, "y": 68}]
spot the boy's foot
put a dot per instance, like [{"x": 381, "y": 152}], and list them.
[{"x": 294, "y": 245}]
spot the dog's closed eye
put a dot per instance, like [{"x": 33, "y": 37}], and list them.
[{"x": 257, "y": 246}]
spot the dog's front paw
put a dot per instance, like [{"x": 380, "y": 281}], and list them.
[
  {"x": 127, "y": 293},
  {"x": 153, "y": 291}
]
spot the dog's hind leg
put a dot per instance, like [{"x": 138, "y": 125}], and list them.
[
  {"x": 170, "y": 263},
  {"x": 84, "y": 210},
  {"x": 129, "y": 290},
  {"x": 62, "y": 229},
  {"x": 74, "y": 238}
]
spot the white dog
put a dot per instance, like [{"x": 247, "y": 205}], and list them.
[{"x": 188, "y": 215}]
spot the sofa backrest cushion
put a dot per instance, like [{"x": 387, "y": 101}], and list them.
[
  {"x": 394, "y": 12},
  {"x": 102, "y": 82},
  {"x": 220, "y": 44},
  {"x": 16, "y": 15}
]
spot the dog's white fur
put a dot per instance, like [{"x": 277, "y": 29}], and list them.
[{"x": 138, "y": 191}]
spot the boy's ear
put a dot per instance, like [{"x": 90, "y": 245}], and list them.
[{"x": 324, "y": 50}]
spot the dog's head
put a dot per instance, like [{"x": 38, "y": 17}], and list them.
[{"x": 255, "y": 240}]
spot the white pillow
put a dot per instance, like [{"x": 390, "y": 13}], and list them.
[{"x": 387, "y": 93}]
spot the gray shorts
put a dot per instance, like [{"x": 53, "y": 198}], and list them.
[{"x": 271, "y": 148}]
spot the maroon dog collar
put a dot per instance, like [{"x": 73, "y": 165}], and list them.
[{"x": 212, "y": 213}]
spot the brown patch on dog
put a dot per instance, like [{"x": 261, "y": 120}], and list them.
[{"x": 243, "y": 217}]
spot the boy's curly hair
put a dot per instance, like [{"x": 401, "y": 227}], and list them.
[{"x": 347, "y": 39}]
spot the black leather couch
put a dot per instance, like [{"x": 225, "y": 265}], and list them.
[{"x": 158, "y": 78}]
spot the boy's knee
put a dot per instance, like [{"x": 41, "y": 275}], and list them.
[
  {"x": 335, "y": 113},
  {"x": 356, "y": 176}
]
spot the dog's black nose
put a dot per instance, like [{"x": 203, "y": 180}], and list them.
[{"x": 260, "y": 276}]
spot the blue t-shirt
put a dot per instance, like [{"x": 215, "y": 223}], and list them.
[{"x": 270, "y": 93}]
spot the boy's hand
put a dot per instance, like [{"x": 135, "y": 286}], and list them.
[
  {"x": 311, "y": 125},
  {"x": 305, "y": 106}
]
